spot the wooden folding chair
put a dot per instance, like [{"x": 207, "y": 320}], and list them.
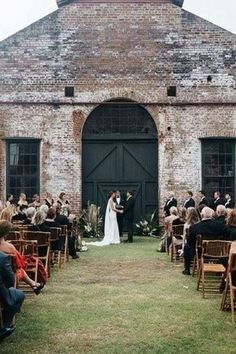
[
  {"x": 55, "y": 246},
  {"x": 43, "y": 246},
  {"x": 214, "y": 253},
  {"x": 229, "y": 295},
  {"x": 13, "y": 235},
  {"x": 176, "y": 241},
  {"x": 64, "y": 243}
]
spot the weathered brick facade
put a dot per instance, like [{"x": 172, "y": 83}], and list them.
[{"x": 117, "y": 50}]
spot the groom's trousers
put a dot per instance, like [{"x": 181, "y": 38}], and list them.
[{"x": 129, "y": 224}]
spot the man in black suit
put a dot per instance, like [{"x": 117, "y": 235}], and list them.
[
  {"x": 61, "y": 219},
  {"x": 221, "y": 214},
  {"x": 171, "y": 201},
  {"x": 203, "y": 200},
  {"x": 189, "y": 202},
  {"x": 217, "y": 201},
  {"x": 129, "y": 215},
  {"x": 11, "y": 298},
  {"x": 229, "y": 203},
  {"x": 207, "y": 226},
  {"x": 119, "y": 202}
]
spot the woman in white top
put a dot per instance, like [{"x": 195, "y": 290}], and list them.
[{"x": 111, "y": 230}]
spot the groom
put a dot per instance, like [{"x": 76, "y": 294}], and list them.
[{"x": 129, "y": 214}]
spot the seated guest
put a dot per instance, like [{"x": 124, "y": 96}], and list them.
[
  {"x": 22, "y": 200},
  {"x": 38, "y": 222},
  {"x": 192, "y": 218},
  {"x": 44, "y": 208},
  {"x": 220, "y": 214},
  {"x": 217, "y": 200},
  {"x": 10, "y": 298},
  {"x": 181, "y": 216},
  {"x": 189, "y": 202},
  {"x": 20, "y": 216},
  {"x": 35, "y": 201},
  {"x": 169, "y": 222},
  {"x": 29, "y": 215},
  {"x": 207, "y": 226},
  {"x": 6, "y": 214},
  {"x": 20, "y": 264},
  {"x": 171, "y": 202},
  {"x": 49, "y": 201},
  {"x": 50, "y": 219},
  {"x": 63, "y": 220},
  {"x": 229, "y": 203},
  {"x": 203, "y": 200},
  {"x": 231, "y": 225}
]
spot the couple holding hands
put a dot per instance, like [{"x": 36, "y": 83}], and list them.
[{"x": 116, "y": 211}]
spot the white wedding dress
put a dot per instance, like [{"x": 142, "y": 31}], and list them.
[{"x": 111, "y": 230}]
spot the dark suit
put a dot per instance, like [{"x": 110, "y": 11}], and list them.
[
  {"x": 10, "y": 297},
  {"x": 203, "y": 201},
  {"x": 229, "y": 204},
  {"x": 210, "y": 227},
  {"x": 189, "y": 203},
  {"x": 129, "y": 217},
  {"x": 119, "y": 216},
  {"x": 217, "y": 202},
  {"x": 169, "y": 203}
]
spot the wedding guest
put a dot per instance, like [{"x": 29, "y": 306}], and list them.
[
  {"x": 1, "y": 205},
  {"x": 44, "y": 208},
  {"x": 189, "y": 202},
  {"x": 207, "y": 226},
  {"x": 203, "y": 200},
  {"x": 6, "y": 214},
  {"x": 29, "y": 215},
  {"x": 10, "y": 297},
  {"x": 217, "y": 200},
  {"x": 49, "y": 201},
  {"x": 174, "y": 216},
  {"x": 38, "y": 222},
  {"x": 22, "y": 200},
  {"x": 231, "y": 225},
  {"x": 35, "y": 201},
  {"x": 10, "y": 200},
  {"x": 64, "y": 203},
  {"x": 50, "y": 219},
  {"x": 229, "y": 203},
  {"x": 221, "y": 214},
  {"x": 192, "y": 218},
  {"x": 171, "y": 201},
  {"x": 129, "y": 214},
  {"x": 8, "y": 248},
  {"x": 63, "y": 220},
  {"x": 20, "y": 215}
]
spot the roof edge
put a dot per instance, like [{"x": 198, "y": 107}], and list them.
[{"x": 61, "y": 3}]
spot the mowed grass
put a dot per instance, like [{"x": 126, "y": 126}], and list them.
[{"x": 122, "y": 299}]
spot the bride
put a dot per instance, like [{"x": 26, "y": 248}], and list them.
[{"x": 111, "y": 230}]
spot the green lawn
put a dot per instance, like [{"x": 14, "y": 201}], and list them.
[{"x": 122, "y": 299}]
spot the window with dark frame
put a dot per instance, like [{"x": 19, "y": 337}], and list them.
[
  {"x": 120, "y": 119},
  {"x": 22, "y": 167},
  {"x": 218, "y": 166}
]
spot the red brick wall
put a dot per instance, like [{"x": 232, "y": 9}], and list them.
[{"x": 116, "y": 50}]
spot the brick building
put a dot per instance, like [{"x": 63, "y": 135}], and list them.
[{"x": 131, "y": 95}]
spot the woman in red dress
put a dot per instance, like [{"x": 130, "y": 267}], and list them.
[{"x": 19, "y": 262}]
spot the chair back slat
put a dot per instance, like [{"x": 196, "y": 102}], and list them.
[
  {"x": 178, "y": 230},
  {"x": 216, "y": 249}
]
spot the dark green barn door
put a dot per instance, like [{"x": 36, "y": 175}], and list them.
[{"x": 120, "y": 159}]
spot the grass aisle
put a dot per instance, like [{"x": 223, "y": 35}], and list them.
[{"x": 122, "y": 299}]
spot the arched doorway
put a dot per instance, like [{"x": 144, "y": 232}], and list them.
[{"x": 120, "y": 151}]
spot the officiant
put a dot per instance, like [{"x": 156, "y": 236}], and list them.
[{"x": 119, "y": 204}]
